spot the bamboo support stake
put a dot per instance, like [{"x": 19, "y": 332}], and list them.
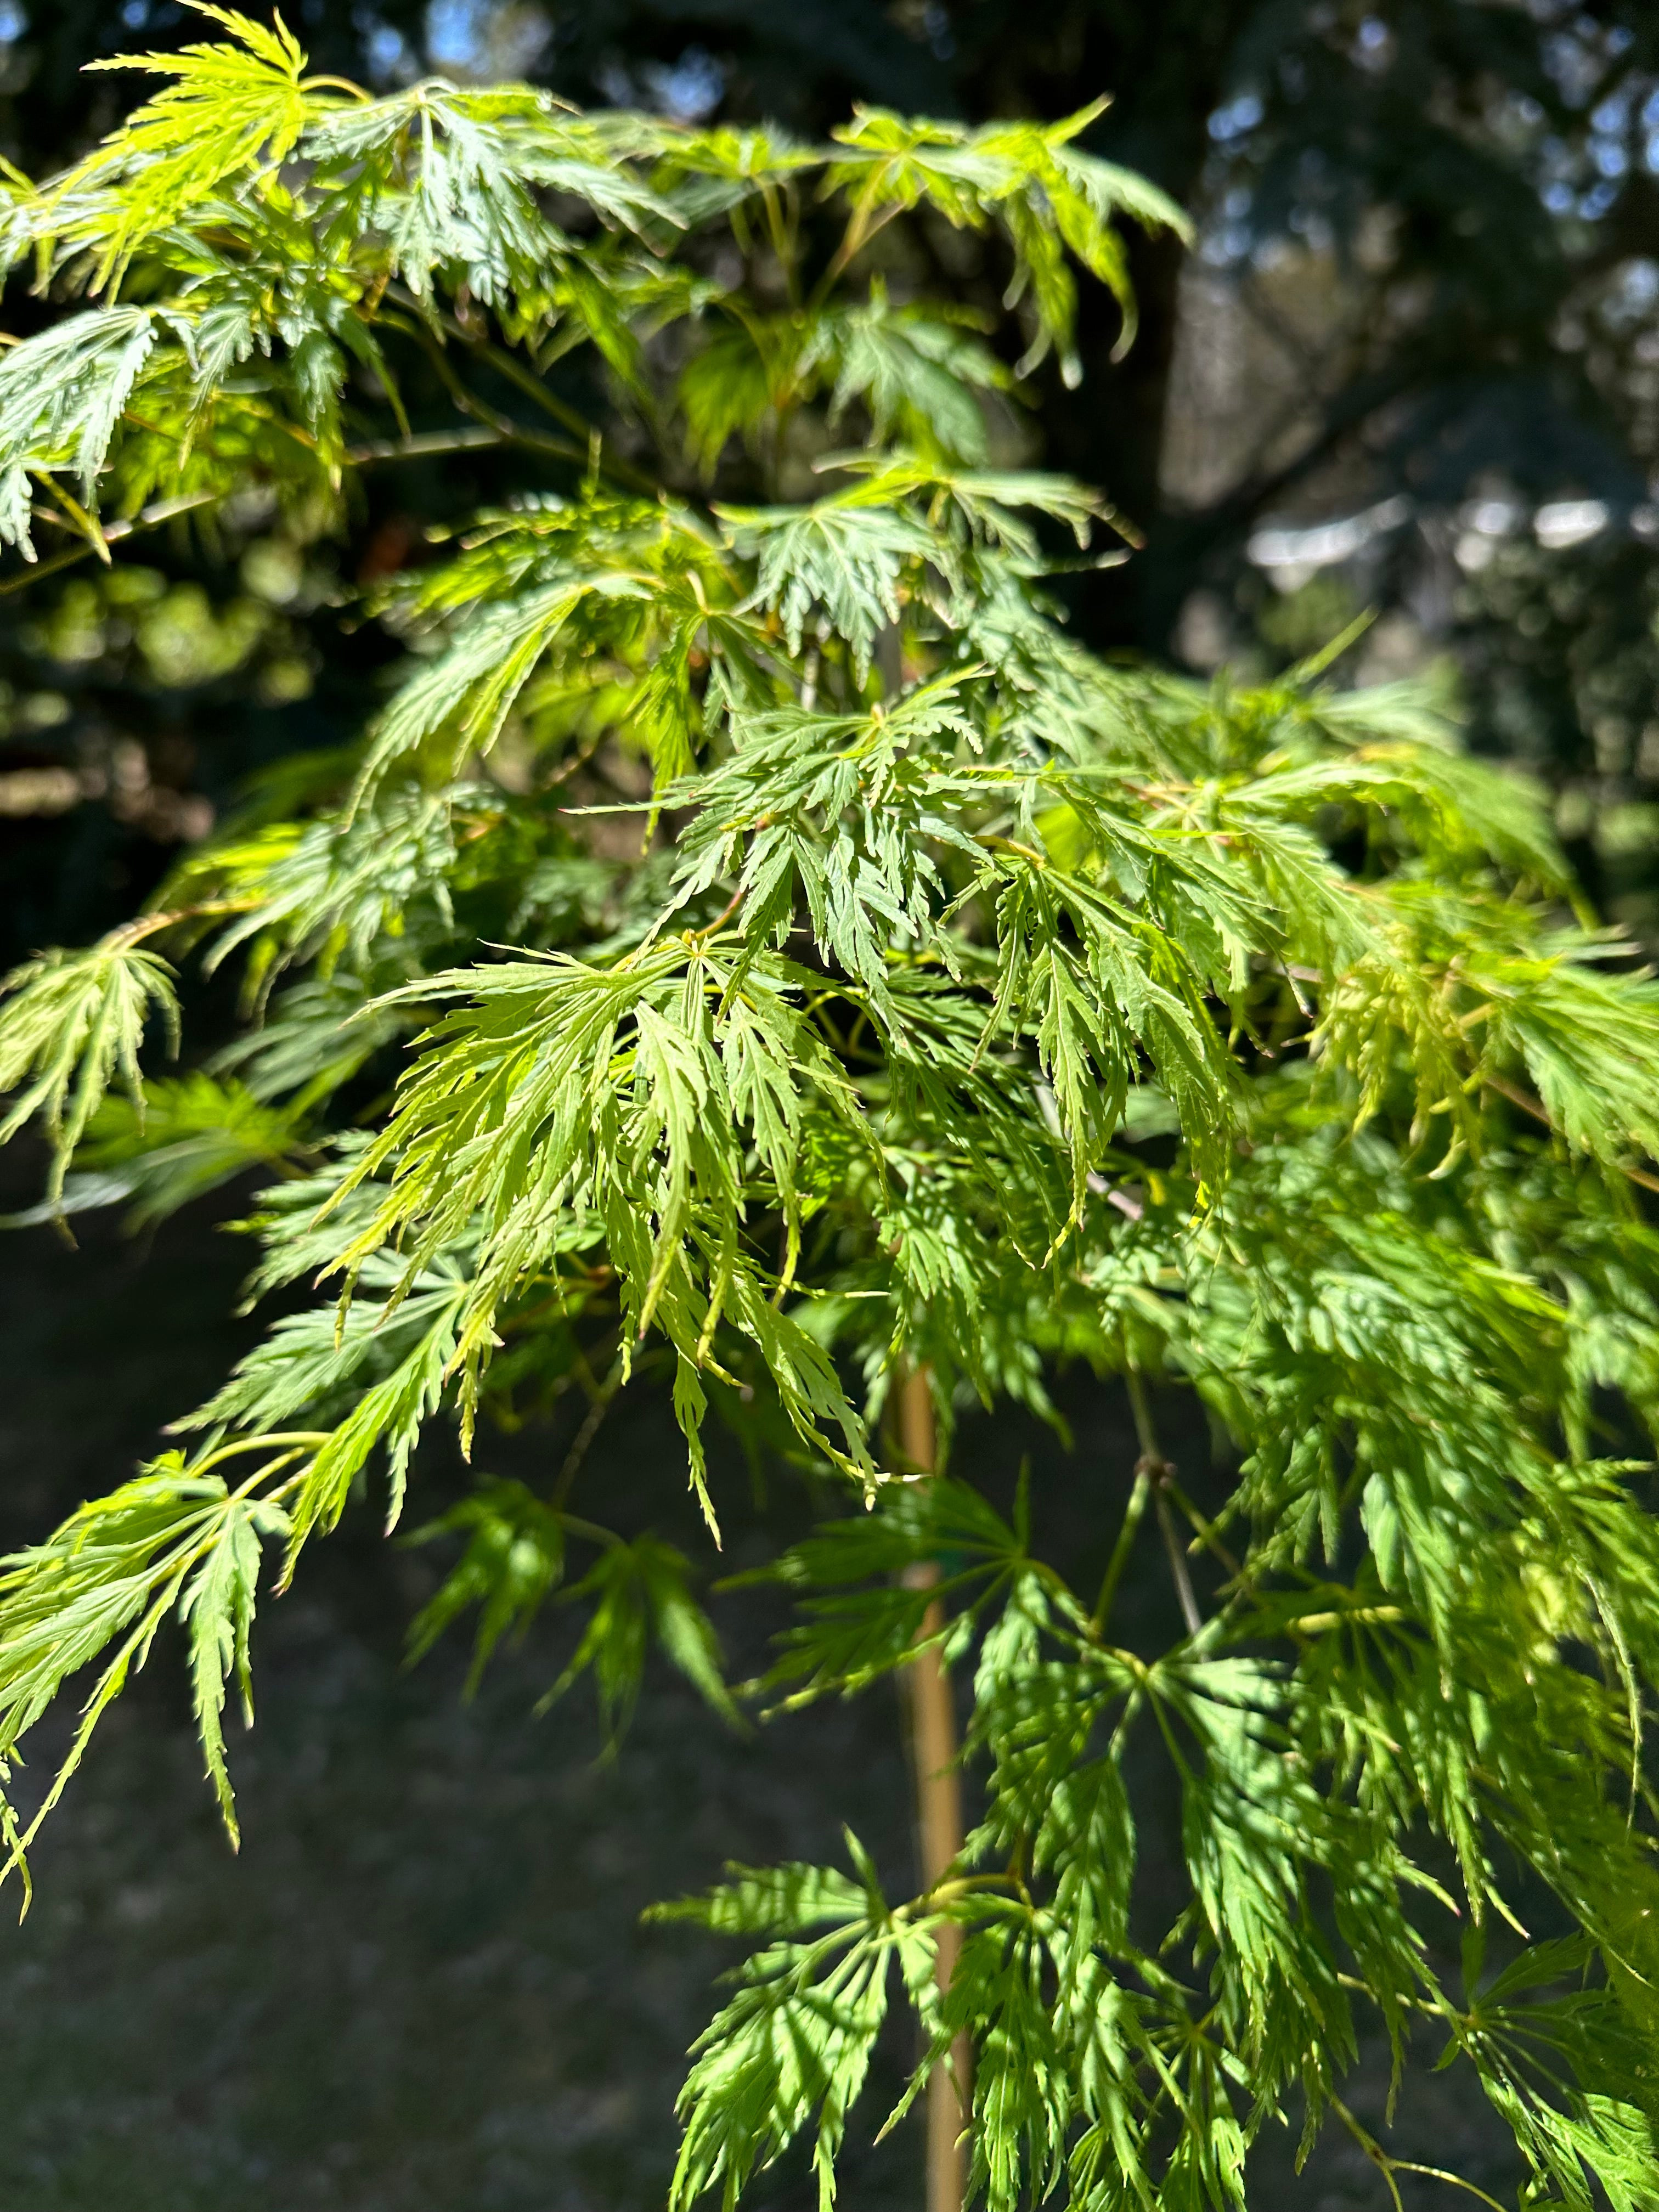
[{"x": 939, "y": 1817}]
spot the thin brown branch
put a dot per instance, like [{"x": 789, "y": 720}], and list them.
[
  {"x": 1373, "y": 2149},
  {"x": 604, "y": 1397},
  {"x": 1204, "y": 1530},
  {"x": 1518, "y": 1097},
  {"x": 1160, "y": 1474},
  {"x": 1178, "y": 1570},
  {"x": 421, "y": 445},
  {"x": 149, "y": 517},
  {"x": 859, "y": 234},
  {"x": 506, "y": 365}
]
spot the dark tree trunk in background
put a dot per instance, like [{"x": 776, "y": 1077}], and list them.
[{"x": 1166, "y": 69}]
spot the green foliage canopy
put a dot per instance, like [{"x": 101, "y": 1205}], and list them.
[{"x": 893, "y": 986}]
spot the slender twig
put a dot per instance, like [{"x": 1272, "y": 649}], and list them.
[
  {"x": 1140, "y": 1408},
  {"x": 578, "y": 760},
  {"x": 1388, "y": 2167},
  {"x": 1373, "y": 2149},
  {"x": 1440, "y": 2173},
  {"x": 591, "y": 1530},
  {"x": 75, "y": 517},
  {"x": 531, "y": 385},
  {"x": 1518, "y": 1097},
  {"x": 1160, "y": 1474},
  {"x": 714, "y": 927},
  {"x": 493, "y": 430},
  {"x": 145, "y": 925},
  {"x": 1183, "y": 1581},
  {"x": 602, "y": 1398},
  {"x": 1125, "y": 1544},
  {"x": 1353, "y": 1616},
  {"x": 1204, "y": 1529},
  {"x": 297, "y": 1438},
  {"x": 422, "y": 444},
  {"x": 510, "y": 432},
  {"x": 149, "y": 517},
  {"x": 858, "y": 236},
  {"x": 782, "y": 244},
  {"x": 336, "y": 84}
]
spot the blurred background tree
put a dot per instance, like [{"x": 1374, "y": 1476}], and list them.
[{"x": 1412, "y": 365}]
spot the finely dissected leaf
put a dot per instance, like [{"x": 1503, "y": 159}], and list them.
[
  {"x": 1048, "y": 198},
  {"x": 181, "y": 1139},
  {"x": 217, "y": 1609},
  {"x": 798, "y": 2039},
  {"x": 861, "y": 1607},
  {"x": 640, "y": 1593},
  {"x": 474, "y": 685},
  {"x": 514, "y": 1561},
  {"x": 523, "y": 1116},
  {"x": 918, "y": 375},
  {"x": 99, "y": 1590},
  {"x": 229, "y": 104},
  {"x": 842, "y": 559},
  {"x": 782, "y": 1900},
  {"x": 70, "y": 1023},
  {"x": 62, "y": 394},
  {"x": 452, "y": 179}
]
